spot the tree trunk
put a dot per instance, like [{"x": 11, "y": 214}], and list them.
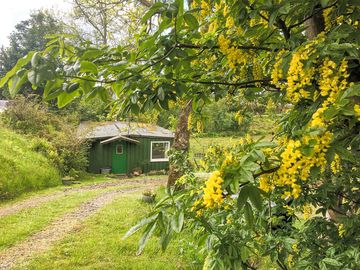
[
  {"x": 181, "y": 143},
  {"x": 315, "y": 25}
]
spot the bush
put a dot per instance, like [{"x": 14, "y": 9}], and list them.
[
  {"x": 54, "y": 135},
  {"x": 22, "y": 168}
]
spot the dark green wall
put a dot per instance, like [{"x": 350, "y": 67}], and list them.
[
  {"x": 138, "y": 155},
  {"x": 99, "y": 156}
]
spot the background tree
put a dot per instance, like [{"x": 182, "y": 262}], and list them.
[
  {"x": 29, "y": 35},
  {"x": 107, "y": 22}
]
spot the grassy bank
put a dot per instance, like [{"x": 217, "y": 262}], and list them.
[{"x": 21, "y": 168}]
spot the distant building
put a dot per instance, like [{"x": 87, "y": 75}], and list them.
[
  {"x": 3, "y": 104},
  {"x": 125, "y": 147}
]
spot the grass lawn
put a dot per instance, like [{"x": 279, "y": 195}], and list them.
[
  {"x": 98, "y": 244},
  {"x": 16, "y": 227},
  {"x": 19, "y": 226},
  {"x": 261, "y": 126}
]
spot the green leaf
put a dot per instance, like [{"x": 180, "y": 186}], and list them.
[
  {"x": 255, "y": 197},
  {"x": 154, "y": 9},
  {"x": 35, "y": 59},
  {"x": 86, "y": 66},
  {"x": 244, "y": 253},
  {"x": 333, "y": 262},
  {"x": 138, "y": 226},
  {"x": 20, "y": 63},
  {"x": 191, "y": 21},
  {"x": 65, "y": 98},
  {"x": 165, "y": 240},
  {"x": 246, "y": 175},
  {"x": 177, "y": 222},
  {"x": 243, "y": 196},
  {"x": 249, "y": 216},
  {"x": 147, "y": 234},
  {"x": 161, "y": 93},
  {"x": 16, "y": 82}
]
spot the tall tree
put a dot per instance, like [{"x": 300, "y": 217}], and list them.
[
  {"x": 29, "y": 35},
  {"x": 107, "y": 22}
]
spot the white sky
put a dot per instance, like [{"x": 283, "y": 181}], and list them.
[{"x": 14, "y": 11}]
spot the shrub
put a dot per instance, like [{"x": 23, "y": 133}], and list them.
[{"x": 55, "y": 136}]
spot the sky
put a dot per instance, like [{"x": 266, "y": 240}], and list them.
[{"x": 15, "y": 11}]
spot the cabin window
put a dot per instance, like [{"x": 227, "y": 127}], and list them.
[
  {"x": 159, "y": 151},
  {"x": 119, "y": 149}
]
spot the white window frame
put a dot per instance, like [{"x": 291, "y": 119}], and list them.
[
  {"x": 122, "y": 149},
  {"x": 159, "y": 159}
]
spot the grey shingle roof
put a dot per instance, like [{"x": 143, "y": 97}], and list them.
[
  {"x": 3, "y": 104},
  {"x": 98, "y": 130}
]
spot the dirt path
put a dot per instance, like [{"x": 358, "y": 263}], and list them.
[
  {"x": 38, "y": 200},
  {"x": 57, "y": 230}
]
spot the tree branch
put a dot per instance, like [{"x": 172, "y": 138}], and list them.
[{"x": 243, "y": 47}]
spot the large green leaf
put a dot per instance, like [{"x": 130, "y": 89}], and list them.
[
  {"x": 86, "y": 66},
  {"x": 141, "y": 224},
  {"x": 65, "y": 98},
  {"x": 249, "y": 216},
  {"x": 191, "y": 20},
  {"x": 147, "y": 234},
  {"x": 16, "y": 82},
  {"x": 20, "y": 63}
]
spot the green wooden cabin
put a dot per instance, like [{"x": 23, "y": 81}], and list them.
[{"x": 125, "y": 147}]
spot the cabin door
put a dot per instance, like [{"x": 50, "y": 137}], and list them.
[{"x": 119, "y": 157}]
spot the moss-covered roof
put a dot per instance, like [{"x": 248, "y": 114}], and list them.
[{"x": 98, "y": 130}]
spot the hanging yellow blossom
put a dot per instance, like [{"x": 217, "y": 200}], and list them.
[
  {"x": 332, "y": 81},
  {"x": 234, "y": 55},
  {"x": 307, "y": 211},
  {"x": 213, "y": 192},
  {"x": 296, "y": 166},
  {"x": 327, "y": 18},
  {"x": 265, "y": 183},
  {"x": 300, "y": 76},
  {"x": 239, "y": 118},
  {"x": 336, "y": 164},
  {"x": 357, "y": 111},
  {"x": 205, "y": 8},
  {"x": 341, "y": 230}
]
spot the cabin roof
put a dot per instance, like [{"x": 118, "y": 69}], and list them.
[
  {"x": 100, "y": 130},
  {"x": 3, "y": 104}
]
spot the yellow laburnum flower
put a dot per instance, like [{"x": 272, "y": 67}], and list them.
[
  {"x": 307, "y": 211},
  {"x": 327, "y": 19},
  {"x": 295, "y": 247},
  {"x": 265, "y": 183},
  {"x": 336, "y": 164},
  {"x": 296, "y": 166},
  {"x": 341, "y": 230},
  {"x": 357, "y": 111},
  {"x": 213, "y": 192},
  {"x": 229, "y": 22}
]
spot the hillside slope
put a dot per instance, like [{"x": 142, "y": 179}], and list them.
[{"x": 21, "y": 168}]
